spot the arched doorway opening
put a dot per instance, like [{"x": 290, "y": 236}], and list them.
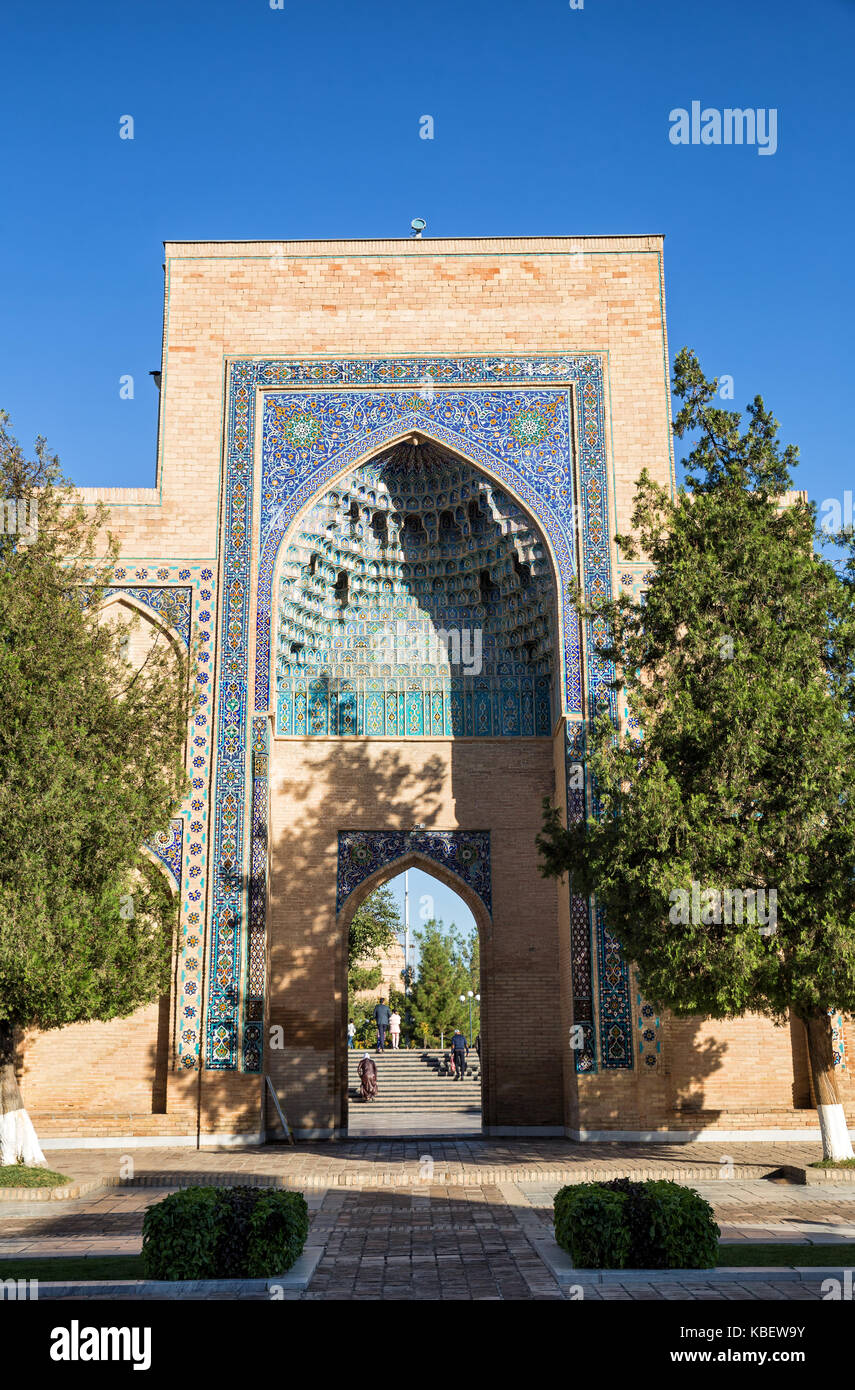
[
  {"x": 431, "y": 977},
  {"x": 416, "y": 667}
]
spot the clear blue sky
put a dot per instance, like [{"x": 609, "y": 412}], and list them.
[
  {"x": 252, "y": 122},
  {"x": 430, "y": 898}
]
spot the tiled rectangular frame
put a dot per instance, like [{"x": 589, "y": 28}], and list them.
[
  {"x": 290, "y": 481},
  {"x": 160, "y": 587}
]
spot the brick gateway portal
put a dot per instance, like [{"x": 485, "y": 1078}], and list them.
[
  {"x": 380, "y": 467},
  {"x": 418, "y": 632}
]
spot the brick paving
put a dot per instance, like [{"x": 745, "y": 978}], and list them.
[
  {"x": 427, "y": 1228},
  {"x": 445, "y": 1243},
  {"x": 694, "y": 1291},
  {"x": 370, "y": 1162}
]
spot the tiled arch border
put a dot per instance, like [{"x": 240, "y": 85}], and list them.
[
  {"x": 229, "y": 964},
  {"x": 463, "y": 853},
  {"x": 158, "y": 585},
  {"x": 557, "y": 531}
]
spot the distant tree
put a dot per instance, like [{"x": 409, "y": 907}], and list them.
[
  {"x": 442, "y": 976},
  {"x": 471, "y": 957},
  {"x": 738, "y": 777},
  {"x": 374, "y": 928},
  {"x": 92, "y": 759}
]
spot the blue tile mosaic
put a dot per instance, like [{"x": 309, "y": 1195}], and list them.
[
  {"x": 464, "y": 853},
  {"x": 167, "y": 847},
  {"x": 172, "y": 603},
  {"x": 332, "y": 416}
]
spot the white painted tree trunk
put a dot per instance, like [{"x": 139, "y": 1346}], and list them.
[
  {"x": 18, "y": 1142},
  {"x": 836, "y": 1143},
  {"x": 835, "y": 1133}
]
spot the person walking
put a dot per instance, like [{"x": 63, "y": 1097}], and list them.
[
  {"x": 478, "y": 1046},
  {"x": 395, "y": 1030},
  {"x": 382, "y": 1014},
  {"x": 351, "y": 1034},
  {"x": 459, "y": 1051}
]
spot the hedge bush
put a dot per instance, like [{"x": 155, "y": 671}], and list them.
[
  {"x": 224, "y": 1233},
  {"x": 636, "y": 1225},
  {"x": 278, "y": 1228},
  {"x": 180, "y": 1235}
]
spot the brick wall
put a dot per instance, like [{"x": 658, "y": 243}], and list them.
[
  {"x": 388, "y": 298},
  {"x": 319, "y": 787}
]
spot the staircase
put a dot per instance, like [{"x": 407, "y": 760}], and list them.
[{"x": 411, "y": 1085}]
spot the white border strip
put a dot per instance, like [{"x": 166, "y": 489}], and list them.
[
  {"x": 187, "y": 1141},
  {"x": 694, "y": 1136}
]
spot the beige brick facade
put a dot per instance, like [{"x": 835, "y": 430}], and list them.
[{"x": 421, "y": 298}]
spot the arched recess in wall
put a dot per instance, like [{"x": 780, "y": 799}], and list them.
[
  {"x": 415, "y": 596},
  {"x": 146, "y": 628},
  {"x": 414, "y": 859},
  {"x": 165, "y": 850}
]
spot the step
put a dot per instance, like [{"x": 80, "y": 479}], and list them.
[
  {"x": 387, "y": 1104},
  {"x": 469, "y": 1095},
  {"x": 411, "y": 1075}
]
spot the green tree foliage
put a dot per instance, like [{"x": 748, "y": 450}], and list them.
[
  {"x": 374, "y": 928},
  {"x": 92, "y": 757},
  {"x": 738, "y": 669},
  {"x": 445, "y": 971}
]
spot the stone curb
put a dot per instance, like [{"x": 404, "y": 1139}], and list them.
[
  {"x": 722, "y": 1274},
  {"x": 67, "y": 1193},
  {"x": 441, "y": 1176},
  {"x": 468, "y": 1176},
  {"x": 298, "y": 1277},
  {"x": 565, "y": 1272},
  {"x": 814, "y": 1176}
]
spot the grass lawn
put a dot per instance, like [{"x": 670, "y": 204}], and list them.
[
  {"x": 834, "y": 1163},
  {"x": 767, "y": 1254},
  {"x": 65, "y": 1268},
  {"x": 20, "y": 1175}
]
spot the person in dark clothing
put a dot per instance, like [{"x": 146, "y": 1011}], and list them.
[
  {"x": 478, "y": 1046},
  {"x": 459, "y": 1051},
  {"x": 382, "y": 1014},
  {"x": 367, "y": 1072}
]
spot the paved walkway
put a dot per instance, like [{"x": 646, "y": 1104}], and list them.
[
  {"x": 433, "y": 1225},
  {"x": 373, "y": 1162},
  {"x": 439, "y": 1242}
]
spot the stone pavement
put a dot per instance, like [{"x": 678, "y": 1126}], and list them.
[
  {"x": 437, "y": 1242},
  {"x": 375, "y": 1162},
  {"x": 444, "y": 1243},
  {"x": 460, "y": 1222}
]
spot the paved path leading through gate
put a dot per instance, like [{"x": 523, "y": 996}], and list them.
[{"x": 458, "y": 1222}]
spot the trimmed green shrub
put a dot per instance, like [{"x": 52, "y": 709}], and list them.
[
  {"x": 180, "y": 1235},
  {"x": 224, "y": 1233},
  {"x": 278, "y": 1228},
  {"x": 590, "y": 1225},
  {"x": 683, "y": 1229},
  {"x": 236, "y": 1208},
  {"x": 622, "y": 1224}
]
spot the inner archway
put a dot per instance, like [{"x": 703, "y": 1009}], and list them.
[
  {"x": 428, "y": 973},
  {"x": 415, "y": 599},
  {"x": 417, "y": 668}
]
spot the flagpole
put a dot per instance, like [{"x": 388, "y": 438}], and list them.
[{"x": 407, "y": 929}]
